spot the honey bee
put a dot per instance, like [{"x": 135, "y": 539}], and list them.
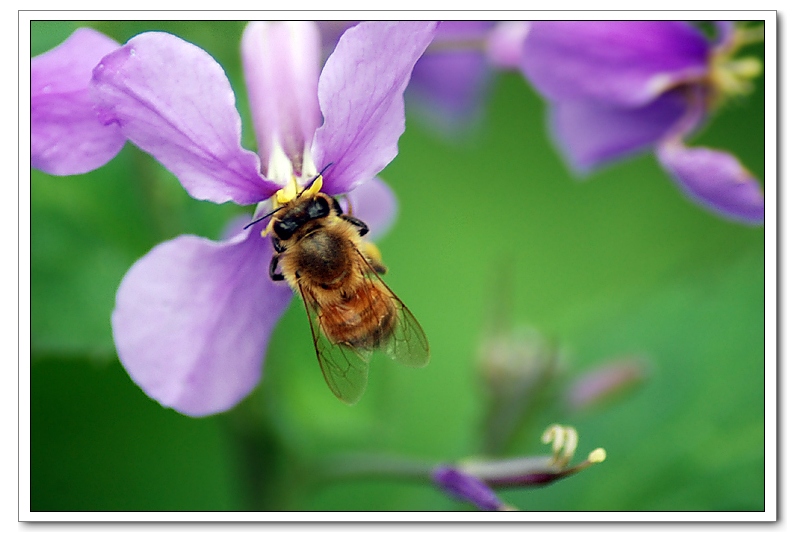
[{"x": 320, "y": 252}]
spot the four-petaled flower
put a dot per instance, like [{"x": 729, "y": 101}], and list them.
[
  {"x": 620, "y": 87},
  {"x": 193, "y": 317}
]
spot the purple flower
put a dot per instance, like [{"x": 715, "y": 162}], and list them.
[
  {"x": 619, "y": 88},
  {"x": 193, "y": 317},
  {"x": 66, "y": 136}
]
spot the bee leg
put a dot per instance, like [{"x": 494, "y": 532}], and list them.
[
  {"x": 272, "y": 271},
  {"x": 361, "y": 226},
  {"x": 278, "y": 246},
  {"x": 373, "y": 255}
]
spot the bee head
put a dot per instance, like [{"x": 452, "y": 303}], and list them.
[{"x": 304, "y": 211}]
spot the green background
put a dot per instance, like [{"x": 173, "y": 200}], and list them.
[{"x": 621, "y": 265}]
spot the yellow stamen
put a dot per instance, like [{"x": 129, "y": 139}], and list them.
[
  {"x": 730, "y": 76},
  {"x": 564, "y": 443},
  {"x": 287, "y": 194},
  {"x": 315, "y": 186},
  {"x": 597, "y": 456}
]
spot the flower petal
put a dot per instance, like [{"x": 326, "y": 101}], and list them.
[
  {"x": 590, "y": 134},
  {"x": 361, "y": 97},
  {"x": 505, "y": 43},
  {"x": 625, "y": 63},
  {"x": 374, "y": 203},
  {"x": 66, "y": 136},
  {"x": 281, "y": 63},
  {"x": 193, "y": 318},
  {"x": 716, "y": 180},
  {"x": 173, "y": 100},
  {"x": 468, "y": 488}
]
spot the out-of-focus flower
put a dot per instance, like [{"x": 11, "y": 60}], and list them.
[
  {"x": 515, "y": 362},
  {"x": 616, "y": 88},
  {"x": 193, "y": 317},
  {"x": 604, "y": 382},
  {"x": 66, "y": 136},
  {"x": 452, "y": 77},
  {"x": 475, "y": 480}
]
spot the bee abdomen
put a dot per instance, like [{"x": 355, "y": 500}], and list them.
[{"x": 365, "y": 321}]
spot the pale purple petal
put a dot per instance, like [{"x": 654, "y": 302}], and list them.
[
  {"x": 716, "y": 180},
  {"x": 193, "y": 318},
  {"x": 361, "y": 98},
  {"x": 505, "y": 43},
  {"x": 626, "y": 63},
  {"x": 173, "y": 100},
  {"x": 467, "y": 488},
  {"x": 590, "y": 134},
  {"x": 374, "y": 203},
  {"x": 66, "y": 136},
  {"x": 281, "y": 63}
]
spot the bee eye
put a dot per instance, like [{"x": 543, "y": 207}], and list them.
[
  {"x": 284, "y": 229},
  {"x": 318, "y": 208}
]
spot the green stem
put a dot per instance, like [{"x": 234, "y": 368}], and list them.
[{"x": 352, "y": 466}]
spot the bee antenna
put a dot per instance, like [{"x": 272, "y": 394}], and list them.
[
  {"x": 322, "y": 171},
  {"x": 263, "y": 217}
]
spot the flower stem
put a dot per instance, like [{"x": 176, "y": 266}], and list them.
[{"x": 352, "y": 466}]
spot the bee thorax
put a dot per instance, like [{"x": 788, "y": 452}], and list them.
[{"x": 322, "y": 257}]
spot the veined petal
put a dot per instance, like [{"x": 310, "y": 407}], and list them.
[
  {"x": 281, "y": 63},
  {"x": 361, "y": 98},
  {"x": 66, "y": 136},
  {"x": 193, "y": 318},
  {"x": 173, "y": 100},
  {"x": 716, "y": 180},
  {"x": 590, "y": 134},
  {"x": 626, "y": 63},
  {"x": 374, "y": 203}
]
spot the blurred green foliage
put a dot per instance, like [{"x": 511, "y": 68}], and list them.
[{"x": 621, "y": 264}]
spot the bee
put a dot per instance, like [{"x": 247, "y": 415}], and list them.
[{"x": 320, "y": 252}]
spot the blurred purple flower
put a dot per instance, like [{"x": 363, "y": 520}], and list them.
[
  {"x": 193, "y": 317},
  {"x": 619, "y": 88},
  {"x": 66, "y": 137},
  {"x": 605, "y": 381},
  {"x": 450, "y": 80}
]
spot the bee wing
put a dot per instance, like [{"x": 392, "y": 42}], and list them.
[
  {"x": 344, "y": 368},
  {"x": 408, "y": 344}
]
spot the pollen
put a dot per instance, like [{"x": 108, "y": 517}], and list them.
[
  {"x": 315, "y": 187},
  {"x": 597, "y": 456},
  {"x": 287, "y": 194}
]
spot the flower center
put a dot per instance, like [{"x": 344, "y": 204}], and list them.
[{"x": 282, "y": 170}]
